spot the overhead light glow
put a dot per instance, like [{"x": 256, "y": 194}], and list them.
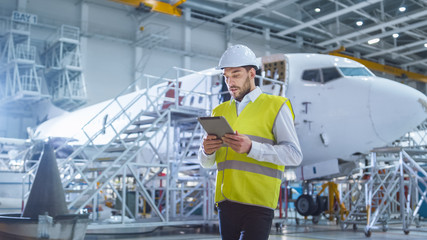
[
  {"x": 373, "y": 41},
  {"x": 317, "y": 9},
  {"x": 402, "y": 9},
  {"x": 425, "y": 45},
  {"x": 395, "y": 35},
  {"x": 359, "y": 23}
]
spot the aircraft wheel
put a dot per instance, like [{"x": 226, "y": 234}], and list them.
[
  {"x": 354, "y": 227},
  {"x": 320, "y": 205},
  {"x": 305, "y": 205},
  {"x": 406, "y": 232}
]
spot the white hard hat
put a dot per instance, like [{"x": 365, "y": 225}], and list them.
[{"x": 238, "y": 56}]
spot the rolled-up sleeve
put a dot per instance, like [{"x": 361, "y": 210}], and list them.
[
  {"x": 207, "y": 161},
  {"x": 287, "y": 150}
]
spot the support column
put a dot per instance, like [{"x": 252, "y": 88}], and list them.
[
  {"x": 187, "y": 38},
  {"x": 138, "y": 68},
  {"x": 84, "y": 28},
  {"x": 21, "y": 5},
  {"x": 267, "y": 39},
  {"x": 228, "y": 28}
]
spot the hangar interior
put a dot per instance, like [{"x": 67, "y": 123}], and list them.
[{"x": 60, "y": 56}]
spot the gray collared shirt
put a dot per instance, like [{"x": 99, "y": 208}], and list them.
[{"x": 286, "y": 151}]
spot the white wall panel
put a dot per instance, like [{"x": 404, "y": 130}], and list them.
[
  {"x": 209, "y": 38},
  {"x": 55, "y": 12},
  {"x": 162, "y": 63},
  {"x": 6, "y": 6},
  {"x": 114, "y": 22},
  {"x": 13, "y": 125},
  {"x": 108, "y": 69}
]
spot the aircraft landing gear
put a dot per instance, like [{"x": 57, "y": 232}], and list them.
[{"x": 311, "y": 205}]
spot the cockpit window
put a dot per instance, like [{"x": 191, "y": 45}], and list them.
[
  {"x": 353, "y": 72},
  {"x": 330, "y": 74},
  {"x": 323, "y": 75},
  {"x": 312, "y": 75}
]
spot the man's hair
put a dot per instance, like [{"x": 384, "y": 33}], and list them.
[{"x": 248, "y": 67}]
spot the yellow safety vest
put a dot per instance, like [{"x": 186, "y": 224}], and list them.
[{"x": 241, "y": 178}]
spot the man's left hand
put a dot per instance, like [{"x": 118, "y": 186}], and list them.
[{"x": 238, "y": 142}]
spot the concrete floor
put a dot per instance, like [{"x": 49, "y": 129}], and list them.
[{"x": 305, "y": 231}]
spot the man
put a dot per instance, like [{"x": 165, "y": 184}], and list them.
[{"x": 251, "y": 167}]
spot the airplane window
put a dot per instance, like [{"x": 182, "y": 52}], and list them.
[
  {"x": 352, "y": 72},
  {"x": 200, "y": 99},
  {"x": 330, "y": 74},
  {"x": 312, "y": 75}
]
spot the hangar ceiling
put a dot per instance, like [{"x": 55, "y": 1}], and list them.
[
  {"x": 395, "y": 29},
  {"x": 325, "y": 25},
  {"x": 389, "y": 32}
]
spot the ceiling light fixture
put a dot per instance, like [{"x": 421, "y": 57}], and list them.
[
  {"x": 373, "y": 41},
  {"x": 395, "y": 35},
  {"x": 317, "y": 9},
  {"x": 425, "y": 45},
  {"x": 402, "y": 9},
  {"x": 359, "y": 23}
]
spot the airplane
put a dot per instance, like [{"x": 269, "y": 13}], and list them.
[
  {"x": 333, "y": 98},
  {"x": 342, "y": 110}
]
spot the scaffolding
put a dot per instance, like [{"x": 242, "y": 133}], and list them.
[
  {"x": 21, "y": 76},
  {"x": 64, "y": 71}
]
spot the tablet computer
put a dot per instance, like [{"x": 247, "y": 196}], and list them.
[{"x": 216, "y": 125}]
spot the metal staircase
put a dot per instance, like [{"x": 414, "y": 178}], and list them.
[
  {"x": 149, "y": 159},
  {"x": 390, "y": 191}
]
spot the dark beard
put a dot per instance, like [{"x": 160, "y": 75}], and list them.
[{"x": 245, "y": 90}]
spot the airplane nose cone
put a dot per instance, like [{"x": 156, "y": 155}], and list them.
[{"x": 395, "y": 109}]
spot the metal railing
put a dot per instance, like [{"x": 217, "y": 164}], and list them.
[{"x": 388, "y": 191}]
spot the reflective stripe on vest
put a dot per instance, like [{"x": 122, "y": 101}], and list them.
[
  {"x": 250, "y": 167},
  {"x": 261, "y": 139}
]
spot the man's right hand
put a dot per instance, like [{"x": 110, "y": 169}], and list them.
[{"x": 211, "y": 143}]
